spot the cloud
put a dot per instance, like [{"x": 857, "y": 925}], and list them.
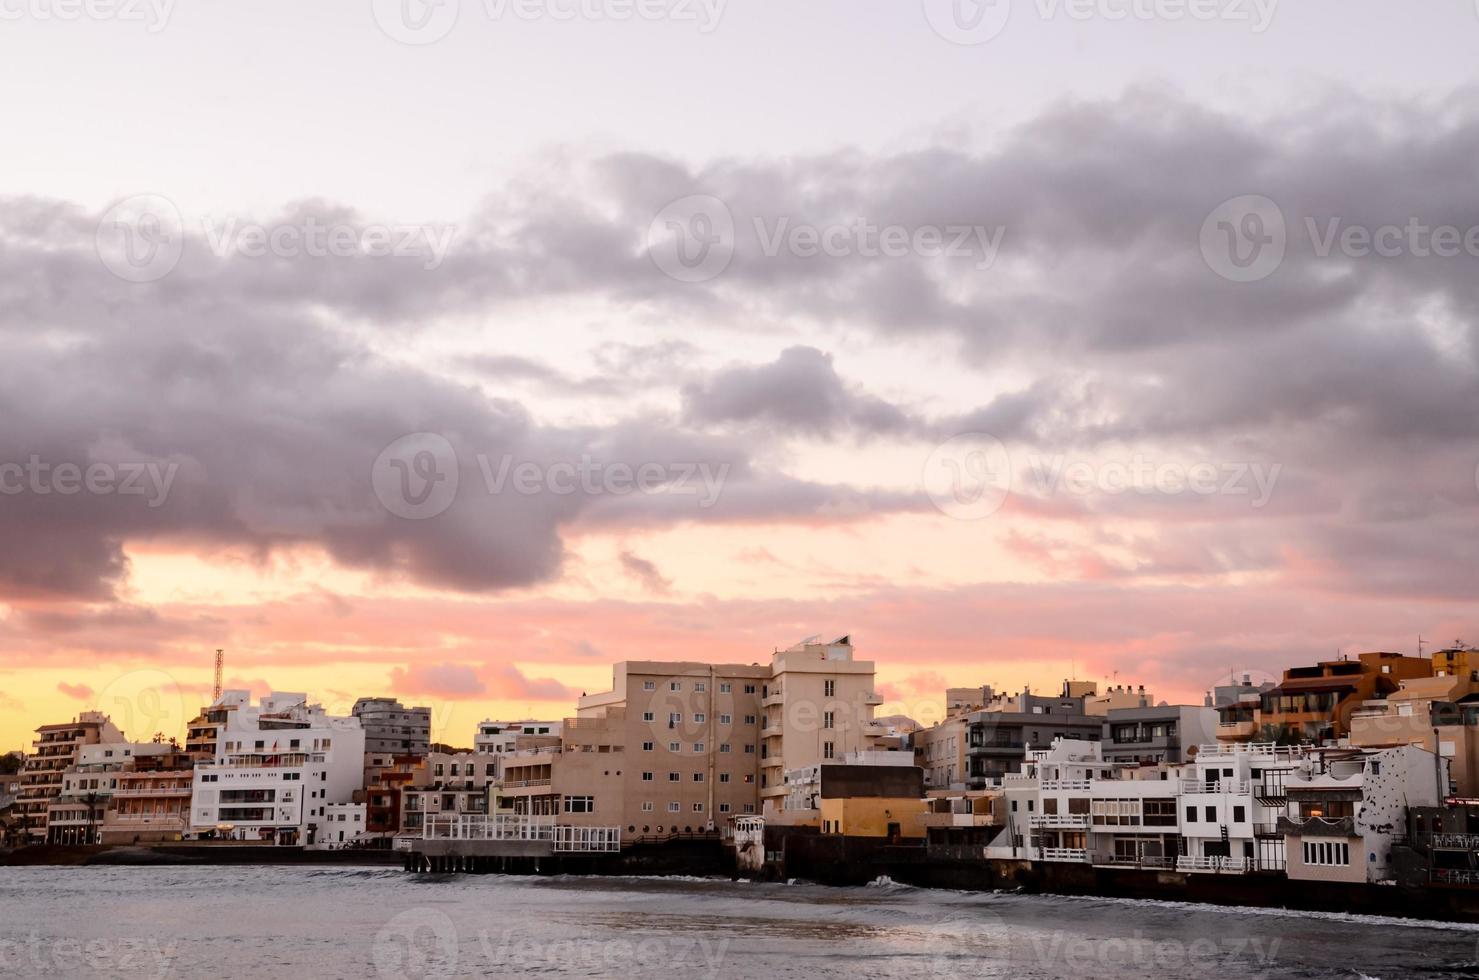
[
  {"x": 460, "y": 682},
  {"x": 79, "y": 692},
  {"x": 645, "y": 572}
]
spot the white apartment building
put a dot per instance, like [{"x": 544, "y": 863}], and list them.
[
  {"x": 500, "y": 737},
  {"x": 277, "y": 768},
  {"x": 344, "y": 824}
]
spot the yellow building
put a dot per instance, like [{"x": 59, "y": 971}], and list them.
[
  {"x": 895, "y": 818},
  {"x": 1457, "y": 662}
]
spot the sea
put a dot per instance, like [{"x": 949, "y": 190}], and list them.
[{"x": 262, "y": 923}]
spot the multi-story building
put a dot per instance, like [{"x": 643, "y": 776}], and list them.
[
  {"x": 1315, "y": 704},
  {"x": 387, "y": 776},
  {"x": 1237, "y": 706},
  {"x": 1148, "y": 736},
  {"x": 940, "y": 751},
  {"x": 1439, "y": 713},
  {"x": 448, "y": 785},
  {"x": 76, "y": 814},
  {"x": 53, "y": 751},
  {"x": 817, "y": 704},
  {"x": 151, "y": 801},
  {"x": 1348, "y": 808},
  {"x": 343, "y": 825},
  {"x": 391, "y": 727},
  {"x": 998, "y": 737},
  {"x": 498, "y": 737},
  {"x": 278, "y": 765},
  {"x": 682, "y": 747},
  {"x": 1459, "y": 660}
]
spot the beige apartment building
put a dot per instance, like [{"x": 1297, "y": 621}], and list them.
[
  {"x": 53, "y": 752},
  {"x": 682, "y": 747}
]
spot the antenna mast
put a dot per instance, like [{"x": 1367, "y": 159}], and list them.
[{"x": 220, "y": 668}]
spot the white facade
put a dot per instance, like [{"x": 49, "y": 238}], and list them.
[
  {"x": 499, "y": 737},
  {"x": 278, "y": 767},
  {"x": 344, "y": 823}
]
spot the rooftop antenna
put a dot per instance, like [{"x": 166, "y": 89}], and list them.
[
  {"x": 1419, "y": 644},
  {"x": 220, "y": 669}
]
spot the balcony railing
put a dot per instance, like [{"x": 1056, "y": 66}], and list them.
[
  {"x": 1078, "y": 854},
  {"x": 1455, "y": 876},
  {"x": 1318, "y": 826},
  {"x": 1227, "y": 865},
  {"x": 1461, "y": 842},
  {"x": 507, "y": 827},
  {"x": 525, "y": 783},
  {"x": 1065, "y": 785},
  {"x": 1060, "y": 821},
  {"x": 1237, "y": 787}
]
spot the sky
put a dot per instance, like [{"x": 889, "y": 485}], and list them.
[{"x": 456, "y": 350}]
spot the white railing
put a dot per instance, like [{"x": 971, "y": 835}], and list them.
[
  {"x": 1230, "y": 865},
  {"x": 1065, "y": 854},
  {"x": 520, "y": 827},
  {"x": 587, "y": 838},
  {"x": 1261, "y": 750},
  {"x": 1237, "y": 787},
  {"x": 1017, "y": 779},
  {"x": 1062, "y": 785},
  {"x": 1060, "y": 821}
]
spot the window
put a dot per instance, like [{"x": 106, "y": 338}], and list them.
[
  {"x": 723, "y": 807},
  {"x": 829, "y": 689},
  {"x": 749, "y": 750},
  {"x": 675, "y": 686},
  {"x": 646, "y": 806},
  {"x": 749, "y": 808},
  {"x": 749, "y": 719},
  {"x": 674, "y": 777},
  {"x": 724, "y": 777},
  {"x": 1239, "y": 814},
  {"x": 675, "y": 807},
  {"x": 698, "y": 808},
  {"x": 827, "y": 719},
  {"x": 647, "y": 746},
  {"x": 580, "y": 804},
  {"x": 749, "y": 688},
  {"x": 646, "y": 716},
  {"x": 726, "y": 719},
  {"x": 699, "y": 718},
  {"x": 724, "y": 747},
  {"x": 700, "y": 686},
  {"x": 1211, "y": 814},
  {"x": 649, "y": 685},
  {"x": 698, "y": 777},
  {"x": 827, "y": 750},
  {"x": 1327, "y": 853},
  {"x": 675, "y": 718},
  {"x": 675, "y": 746},
  {"x": 698, "y": 747},
  {"x": 1191, "y": 814},
  {"x": 725, "y": 687},
  {"x": 1014, "y": 806},
  {"x": 647, "y": 777}
]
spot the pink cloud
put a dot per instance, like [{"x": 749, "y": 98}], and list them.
[{"x": 79, "y": 691}]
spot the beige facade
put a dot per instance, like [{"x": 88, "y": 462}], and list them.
[
  {"x": 53, "y": 752},
  {"x": 683, "y": 747},
  {"x": 940, "y": 751},
  {"x": 1429, "y": 712},
  {"x": 818, "y": 706}
]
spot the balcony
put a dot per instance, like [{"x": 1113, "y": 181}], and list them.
[
  {"x": 1456, "y": 842},
  {"x": 1071, "y": 854},
  {"x": 1236, "y": 731},
  {"x": 873, "y": 698},
  {"x": 1318, "y": 826},
  {"x": 1059, "y": 821},
  {"x": 1214, "y": 864},
  {"x": 1236, "y": 787},
  {"x": 773, "y": 698},
  {"x": 525, "y": 783}
]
